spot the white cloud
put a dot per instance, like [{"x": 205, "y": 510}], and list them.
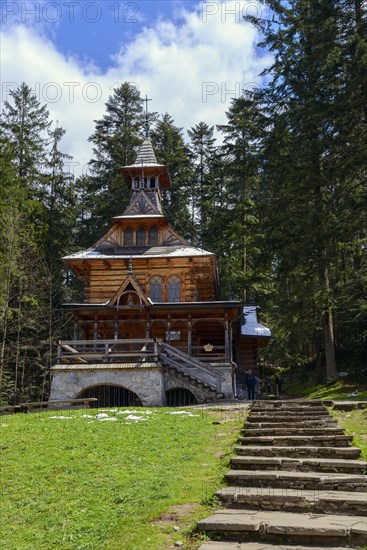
[{"x": 191, "y": 66}]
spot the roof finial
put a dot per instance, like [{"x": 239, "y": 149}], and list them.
[{"x": 146, "y": 116}]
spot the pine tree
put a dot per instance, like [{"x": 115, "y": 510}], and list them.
[
  {"x": 25, "y": 123},
  {"x": 172, "y": 151},
  {"x": 241, "y": 152},
  {"x": 115, "y": 141},
  {"x": 203, "y": 188},
  {"x": 315, "y": 159}
]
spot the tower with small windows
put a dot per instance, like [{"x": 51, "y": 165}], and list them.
[{"x": 151, "y": 330}]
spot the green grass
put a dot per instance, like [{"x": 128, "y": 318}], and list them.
[
  {"x": 355, "y": 423},
  {"x": 339, "y": 389},
  {"x": 84, "y": 484}
]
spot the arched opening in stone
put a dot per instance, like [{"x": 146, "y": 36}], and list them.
[
  {"x": 179, "y": 397},
  {"x": 111, "y": 396}
]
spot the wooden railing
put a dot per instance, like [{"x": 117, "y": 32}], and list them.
[
  {"x": 107, "y": 351},
  {"x": 191, "y": 366}
]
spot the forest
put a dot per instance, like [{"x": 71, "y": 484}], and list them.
[{"x": 279, "y": 193}]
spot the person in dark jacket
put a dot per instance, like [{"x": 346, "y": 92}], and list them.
[
  {"x": 279, "y": 383},
  {"x": 250, "y": 382}
]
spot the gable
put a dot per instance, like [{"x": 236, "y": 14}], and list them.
[
  {"x": 142, "y": 204},
  {"x": 130, "y": 285}
]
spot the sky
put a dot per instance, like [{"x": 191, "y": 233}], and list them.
[{"x": 190, "y": 58}]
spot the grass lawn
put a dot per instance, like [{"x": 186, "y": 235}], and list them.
[
  {"x": 86, "y": 484},
  {"x": 340, "y": 389},
  {"x": 355, "y": 423}
]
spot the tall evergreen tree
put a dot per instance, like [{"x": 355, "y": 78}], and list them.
[
  {"x": 25, "y": 122},
  {"x": 171, "y": 150},
  {"x": 203, "y": 186},
  {"x": 243, "y": 133},
  {"x": 316, "y": 164},
  {"x": 115, "y": 140}
]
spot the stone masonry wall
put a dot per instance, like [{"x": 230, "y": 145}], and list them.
[{"x": 145, "y": 382}]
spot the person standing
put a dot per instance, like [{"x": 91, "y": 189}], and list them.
[
  {"x": 250, "y": 382},
  {"x": 268, "y": 387},
  {"x": 279, "y": 383}
]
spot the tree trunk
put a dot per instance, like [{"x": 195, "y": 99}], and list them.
[{"x": 328, "y": 330}]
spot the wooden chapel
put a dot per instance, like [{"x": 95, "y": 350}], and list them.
[{"x": 151, "y": 330}]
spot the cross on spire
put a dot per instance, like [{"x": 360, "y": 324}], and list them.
[{"x": 146, "y": 116}]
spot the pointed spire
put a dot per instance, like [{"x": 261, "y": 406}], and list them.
[
  {"x": 146, "y": 155},
  {"x": 146, "y": 117}
]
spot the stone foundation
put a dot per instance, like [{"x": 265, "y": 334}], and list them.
[
  {"x": 68, "y": 381},
  {"x": 148, "y": 381}
]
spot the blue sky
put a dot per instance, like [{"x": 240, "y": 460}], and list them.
[{"x": 191, "y": 58}]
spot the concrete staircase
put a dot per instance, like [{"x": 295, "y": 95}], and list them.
[{"x": 295, "y": 483}]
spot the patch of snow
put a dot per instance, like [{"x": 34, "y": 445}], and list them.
[
  {"x": 108, "y": 410},
  {"x": 4, "y": 425},
  {"x": 86, "y": 416},
  {"x": 353, "y": 394},
  {"x": 187, "y": 413},
  {"x": 101, "y": 415},
  {"x": 112, "y": 419},
  {"x": 136, "y": 418},
  {"x": 62, "y": 417}
]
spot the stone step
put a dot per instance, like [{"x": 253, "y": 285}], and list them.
[
  {"x": 287, "y": 418},
  {"x": 299, "y": 464},
  {"x": 293, "y": 500},
  {"x": 286, "y": 405},
  {"x": 261, "y": 546},
  {"x": 328, "y": 423},
  {"x": 278, "y": 403},
  {"x": 295, "y": 414},
  {"x": 292, "y": 527},
  {"x": 299, "y": 452},
  {"x": 248, "y": 431},
  {"x": 297, "y": 480},
  {"x": 297, "y": 440}
]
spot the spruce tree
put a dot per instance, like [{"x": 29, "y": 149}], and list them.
[
  {"x": 315, "y": 160},
  {"x": 203, "y": 187},
  {"x": 115, "y": 141},
  {"x": 172, "y": 151}
]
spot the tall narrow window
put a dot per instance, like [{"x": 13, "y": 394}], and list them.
[
  {"x": 128, "y": 237},
  {"x": 174, "y": 289},
  {"x": 156, "y": 287},
  {"x": 152, "y": 182},
  {"x": 153, "y": 236},
  {"x": 140, "y": 236}
]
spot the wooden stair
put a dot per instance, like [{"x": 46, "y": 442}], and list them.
[
  {"x": 304, "y": 488},
  {"x": 196, "y": 371}
]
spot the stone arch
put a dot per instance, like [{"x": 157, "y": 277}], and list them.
[
  {"x": 179, "y": 397},
  {"x": 111, "y": 395},
  {"x": 176, "y": 380}
]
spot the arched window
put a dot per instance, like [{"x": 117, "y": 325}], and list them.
[
  {"x": 136, "y": 183},
  {"x": 140, "y": 236},
  {"x": 128, "y": 237},
  {"x": 174, "y": 289},
  {"x": 152, "y": 182},
  {"x": 153, "y": 236},
  {"x": 156, "y": 287}
]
